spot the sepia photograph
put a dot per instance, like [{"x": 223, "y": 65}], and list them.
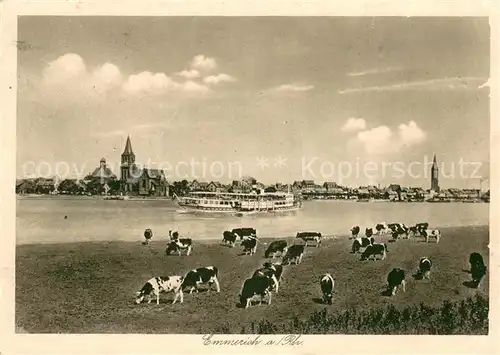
[{"x": 222, "y": 175}]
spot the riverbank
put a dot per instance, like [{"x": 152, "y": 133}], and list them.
[{"x": 89, "y": 287}]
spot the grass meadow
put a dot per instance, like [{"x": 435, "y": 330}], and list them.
[{"x": 90, "y": 288}]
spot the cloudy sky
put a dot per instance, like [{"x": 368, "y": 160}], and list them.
[{"x": 283, "y": 98}]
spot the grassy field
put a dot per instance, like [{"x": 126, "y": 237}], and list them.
[{"x": 90, "y": 287}]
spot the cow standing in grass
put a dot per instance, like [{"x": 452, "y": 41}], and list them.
[
  {"x": 179, "y": 244},
  {"x": 294, "y": 254},
  {"x": 203, "y": 275},
  {"x": 419, "y": 228},
  {"x": 395, "y": 279},
  {"x": 360, "y": 243},
  {"x": 314, "y": 237},
  {"x": 229, "y": 238},
  {"x": 272, "y": 271},
  {"x": 244, "y": 233},
  {"x": 478, "y": 268},
  {"x": 256, "y": 288},
  {"x": 354, "y": 232},
  {"x": 435, "y": 233},
  {"x": 148, "y": 235},
  {"x": 158, "y": 284},
  {"x": 373, "y": 250},
  {"x": 424, "y": 268},
  {"x": 278, "y": 246},
  {"x": 327, "y": 285},
  {"x": 249, "y": 245}
]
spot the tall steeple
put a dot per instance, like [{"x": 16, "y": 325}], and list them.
[
  {"x": 435, "y": 175},
  {"x": 128, "y": 160}
]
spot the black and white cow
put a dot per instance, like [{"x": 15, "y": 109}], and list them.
[
  {"x": 244, "y": 233},
  {"x": 178, "y": 246},
  {"x": 381, "y": 228},
  {"x": 249, "y": 245},
  {"x": 424, "y": 267},
  {"x": 478, "y": 268},
  {"x": 398, "y": 230},
  {"x": 354, "y": 232},
  {"x": 475, "y": 258},
  {"x": 310, "y": 237},
  {"x": 435, "y": 233},
  {"x": 294, "y": 254},
  {"x": 148, "y": 235},
  {"x": 278, "y": 246},
  {"x": 327, "y": 285},
  {"x": 256, "y": 288},
  {"x": 203, "y": 275},
  {"x": 368, "y": 232},
  {"x": 158, "y": 284},
  {"x": 360, "y": 243},
  {"x": 395, "y": 279},
  {"x": 229, "y": 237},
  {"x": 419, "y": 228},
  {"x": 374, "y": 250},
  {"x": 273, "y": 271}
]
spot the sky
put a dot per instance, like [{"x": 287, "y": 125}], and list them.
[{"x": 356, "y": 100}]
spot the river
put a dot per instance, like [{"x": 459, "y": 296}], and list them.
[{"x": 42, "y": 220}]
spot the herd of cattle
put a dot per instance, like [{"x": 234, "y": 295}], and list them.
[{"x": 266, "y": 279}]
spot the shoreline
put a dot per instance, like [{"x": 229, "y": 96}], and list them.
[{"x": 212, "y": 241}]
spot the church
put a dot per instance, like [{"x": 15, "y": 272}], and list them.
[{"x": 137, "y": 181}]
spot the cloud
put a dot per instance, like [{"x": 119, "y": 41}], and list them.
[
  {"x": 203, "y": 63},
  {"x": 293, "y": 88},
  {"x": 189, "y": 74},
  {"x": 455, "y": 83},
  {"x": 382, "y": 140},
  {"x": 411, "y": 134},
  {"x": 148, "y": 82},
  {"x": 69, "y": 66},
  {"x": 219, "y": 78},
  {"x": 106, "y": 77},
  {"x": 353, "y": 124},
  {"x": 374, "y": 71}
]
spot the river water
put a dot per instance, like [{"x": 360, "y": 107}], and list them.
[{"x": 42, "y": 220}]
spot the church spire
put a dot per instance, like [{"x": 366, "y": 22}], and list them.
[
  {"x": 434, "y": 161},
  {"x": 128, "y": 147}
]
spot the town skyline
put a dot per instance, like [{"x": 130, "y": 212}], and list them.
[{"x": 340, "y": 90}]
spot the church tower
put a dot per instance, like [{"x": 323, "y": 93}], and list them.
[
  {"x": 435, "y": 175},
  {"x": 128, "y": 160}
]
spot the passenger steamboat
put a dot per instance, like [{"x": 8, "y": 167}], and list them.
[{"x": 239, "y": 203}]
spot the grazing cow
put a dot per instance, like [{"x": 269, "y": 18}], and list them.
[
  {"x": 249, "y": 245},
  {"x": 395, "y": 279},
  {"x": 475, "y": 258},
  {"x": 398, "y": 229},
  {"x": 354, "y": 232},
  {"x": 436, "y": 233},
  {"x": 294, "y": 254},
  {"x": 478, "y": 271},
  {"x": 310, "y": 237},
  {"x": 373, "y": 250},
  {"x": 327, "y": 284},
  {"x": 229, "y": 238},
  {"x": 419, "y": 228},
  {"x": 244, "y": 233},
  {"x": 424, "y": 267},
  {"x": 361, "y": 243},
  {"x": 203, "y": 275},
  {"x": 148, "y": 234},
  {"x": 256, "y": 288},
  {"x": 272, "y": 271},
  {"x": 381, "y": 228},
  {"x": 477, "y": 268},
  {"x": 178, "y": 246},
  {"x": 155, "y": 285},
  {"x": 280, "y": 246}
]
